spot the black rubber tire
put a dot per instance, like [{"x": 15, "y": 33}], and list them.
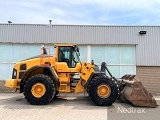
[
  {"x": 55, "y": 96},
  {"x": 57, "y": 92},
  {"x": 92, "y": 91},
  {"x": 49, "y": 85}
]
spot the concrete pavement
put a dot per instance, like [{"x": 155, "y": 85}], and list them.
[{"x": 79, "y": 107}]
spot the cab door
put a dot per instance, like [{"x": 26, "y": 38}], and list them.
[{"x": 67, "y": 60}]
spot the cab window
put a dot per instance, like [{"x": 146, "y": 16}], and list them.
[{"x": 64, "y": 55}]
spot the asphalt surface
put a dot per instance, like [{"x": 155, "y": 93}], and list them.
[{"x": 71, "y": 107}]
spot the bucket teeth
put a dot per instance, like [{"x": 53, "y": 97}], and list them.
[
  {"x": 135, "y": 93},
  {"x": 128, "y": 77}
]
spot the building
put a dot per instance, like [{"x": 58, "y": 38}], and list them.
[{"x": 126, "y": 49}]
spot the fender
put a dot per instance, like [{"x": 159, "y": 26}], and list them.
[
  {"x": 94, "y": 74},
  {"x": 47, "y": 70}
]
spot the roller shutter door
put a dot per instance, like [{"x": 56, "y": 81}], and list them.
[{"x": 119, "y": 58}]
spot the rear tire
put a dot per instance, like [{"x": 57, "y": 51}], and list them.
[
  {"x": 110, "y": 85},
  {"x": 44, "y": 92}
]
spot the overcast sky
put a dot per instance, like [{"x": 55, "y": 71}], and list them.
[{"x": 103, "y": 12}]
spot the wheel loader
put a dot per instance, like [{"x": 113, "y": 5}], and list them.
[{"x": 42, "y": 77}]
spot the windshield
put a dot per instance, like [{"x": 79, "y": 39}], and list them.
[{"x": 76, "y": 55}]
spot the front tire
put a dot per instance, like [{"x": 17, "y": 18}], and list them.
[
  {"x": 39, "y": 89},
  {"x": 103, "y": 91}
]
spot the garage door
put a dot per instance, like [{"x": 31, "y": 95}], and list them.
[{"x": 119, "y": 58}]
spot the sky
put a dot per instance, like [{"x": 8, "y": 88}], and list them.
[{"x": 81, "y": 12}]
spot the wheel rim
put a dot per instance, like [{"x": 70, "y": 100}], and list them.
[
  {"x": 38, "y": 90},
  {"x": 103, "y": 91}
]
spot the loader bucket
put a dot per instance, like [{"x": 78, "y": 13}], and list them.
[{"x": 133, "y": 91}]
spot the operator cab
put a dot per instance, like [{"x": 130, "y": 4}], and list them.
[{"x": 69, "y": 54}]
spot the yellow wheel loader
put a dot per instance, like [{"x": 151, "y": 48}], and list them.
[{"x": 42, "y": 77}]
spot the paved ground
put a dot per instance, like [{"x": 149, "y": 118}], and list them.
[{"x": 15, "y": 107}]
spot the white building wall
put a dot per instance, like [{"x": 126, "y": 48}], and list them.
[{"x": 146, "y": 50}]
